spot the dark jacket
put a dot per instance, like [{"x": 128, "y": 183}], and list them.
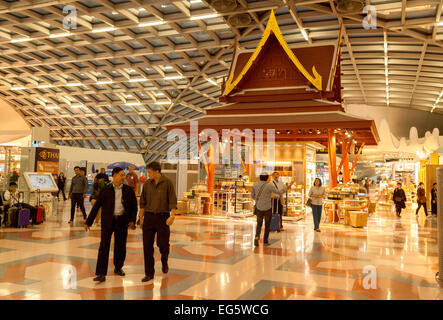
[
  {"x": 399, "y": 193},
  {"x": 421, "y": 195},
  {"x": 106, "y": 201},
  {"x": 61, "y": 182},
  {"x": 433, "y": 194},
  {"x": 96, "y": 189}
]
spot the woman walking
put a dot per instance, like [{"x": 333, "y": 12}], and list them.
[
  {"x": 421, "y": 198},
  {"x": 434, "y": 199},
  {"x": 399, "y": 199},
  {"x": 317, "y": 195},
  {"x": 61, "y": 181}
]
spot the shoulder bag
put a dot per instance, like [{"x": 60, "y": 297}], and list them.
[{"x": 258, "y": 197}]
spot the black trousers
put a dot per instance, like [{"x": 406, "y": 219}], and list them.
[
  {"x": 120, "y": 231},
  {"x": 77, "y": 199},
  {"x": 62, "y": 189},
  {"x": 434, "y": 207},
  {"x": 155, "y": 224},
  {"x": 267, "y": 215},
  {"x": 424, "y": 206},
  {"x": 398, "y": 207}
]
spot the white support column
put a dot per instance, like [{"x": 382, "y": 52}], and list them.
[{"x": 439, "y": 276}]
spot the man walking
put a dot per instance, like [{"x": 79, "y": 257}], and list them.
[
  {"x": 132, "y": 179},
  {"x": 77, "y": 193},
  {"x": 119, "y": 210},
  {"x": 158, "y": 203}
]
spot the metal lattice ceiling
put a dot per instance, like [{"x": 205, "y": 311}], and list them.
[{"x": 132, "y": 66}]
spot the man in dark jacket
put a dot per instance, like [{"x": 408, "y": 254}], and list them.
[
  {"x": 119, "y": 211},
  {"x": 77, "y": 193}
]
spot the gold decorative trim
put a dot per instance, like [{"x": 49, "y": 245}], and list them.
[{"x": 272, "y": 25}]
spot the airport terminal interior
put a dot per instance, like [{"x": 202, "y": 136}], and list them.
[{"x": 333, "y": 107}]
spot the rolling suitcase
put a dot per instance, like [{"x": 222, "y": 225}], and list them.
[
  {"x": 40, "y": 209},
  {"x": 23, "y": 218},
  {"x": 275, "y": 219}
]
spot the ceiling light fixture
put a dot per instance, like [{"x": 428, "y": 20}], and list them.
[
  {"x": 138, "y": 80},
  {"x": 173, "y": 77},
  {"x": 103, "y": 29},
  {"x": 75, "y": 84},
  {"x": 105, "y": 82},
  {"x": 133, "y": 104},
  {"x": 51, "y": 107},
  {"x": 76, "y": 106},
  {"x": 152, "y": 23},
  {"x": 114, "y": 12},
  {"x": 141, "y": 9},
  {"x": 44, "y": 86},
  {"x": 208, "y": 16},
  {"x": 66, "y": 34},
  {"x": 20, "y": 40},
  {"x": 195, "y": 1},
  {"x": 18, "y": 88},
  {"x": 212, "y": 81},
  {"x": 163, "y": 102},
  {"x": 305, "y": 34}
]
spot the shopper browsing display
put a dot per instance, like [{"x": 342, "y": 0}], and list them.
[
  {"x": 119, "y": 210},
  {"x": 262, "y": 193},
  {"x": 317, "y": 195},
  {"x": 399, "y": 198},
  {"x": 158, "y": 203}
]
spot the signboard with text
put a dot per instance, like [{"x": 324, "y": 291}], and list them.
[{"x": 47, "y": 160}]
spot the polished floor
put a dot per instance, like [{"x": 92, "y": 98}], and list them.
[{"x": 393, "y": 258}]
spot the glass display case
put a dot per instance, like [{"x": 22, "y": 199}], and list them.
[{"x": 295, "y": 202}]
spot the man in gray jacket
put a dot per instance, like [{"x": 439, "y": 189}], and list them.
[{"x": 77, "y": 193}]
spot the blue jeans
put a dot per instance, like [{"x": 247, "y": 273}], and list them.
[{"x": 316, "y": 215}]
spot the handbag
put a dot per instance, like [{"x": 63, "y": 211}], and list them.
[
  {"x": 309, "y": 202},
  {"x": 258, "y": 197}
]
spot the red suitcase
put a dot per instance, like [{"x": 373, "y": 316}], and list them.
[{"x": 39, "y": 219}]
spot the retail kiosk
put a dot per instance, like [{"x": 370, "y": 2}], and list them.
[{"x": 290, "y": 93}]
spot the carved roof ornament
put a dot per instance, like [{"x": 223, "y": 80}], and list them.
[{"x": 272, "y": 28}]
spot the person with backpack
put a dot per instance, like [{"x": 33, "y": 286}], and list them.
[{"x": 262, "y": 193}]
